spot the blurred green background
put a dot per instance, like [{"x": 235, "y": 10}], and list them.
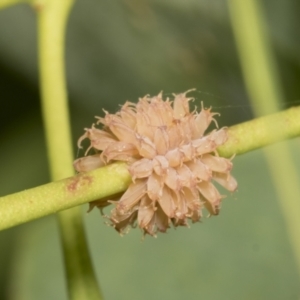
[{"x": 121, "y": 50}]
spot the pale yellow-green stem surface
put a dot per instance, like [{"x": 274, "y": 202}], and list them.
[
  {"x": 255, "y": 134},
  {"x": 263, "y": 84},
  {"x": 59, "y": 195},
  {"x": 104, "y": 182},
  {"x": 52, "y": 18}
]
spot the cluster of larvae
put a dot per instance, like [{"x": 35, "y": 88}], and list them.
[{"x": 173, "y": 161}]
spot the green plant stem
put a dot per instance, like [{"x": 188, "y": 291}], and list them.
[
  {"x": 52, "y": 18},
  {"x": 255, "y": 134},
  {"x": 104, "y": 182},
  {"x": 258, "y": 64},
  {"x": 60, "y": 195},
  {"x": 262, "y": 81}
]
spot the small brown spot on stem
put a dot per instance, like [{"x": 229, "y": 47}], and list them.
[
  {"x": 78, "y": 182},
  {"x": 38, "y": 7}
]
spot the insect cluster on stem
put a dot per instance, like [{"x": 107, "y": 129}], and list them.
[{"x": 172, "y": 160}]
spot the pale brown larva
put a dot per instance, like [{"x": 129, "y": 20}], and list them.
[{"x": 171, "y": 159}]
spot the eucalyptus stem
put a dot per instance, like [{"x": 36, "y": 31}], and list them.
[
  {"x": 112, "y": 179},
  {"x": 59, "y": 195},
  {"x": 263, "y": 84},
  {"x": 52, "y": 18},
  {"x": 255, "y": 134}
]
